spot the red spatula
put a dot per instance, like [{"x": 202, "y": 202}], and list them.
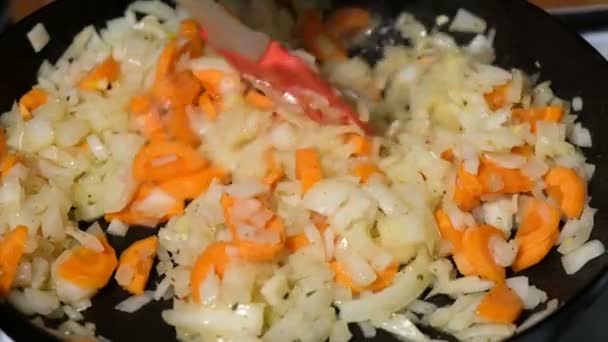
[{"x": 255, "y": 54}]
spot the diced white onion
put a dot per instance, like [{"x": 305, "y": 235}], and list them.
[
  {"x": 504, "y": 252},
  {"x": 87, "y": 240},
  {"x": 465, "y": 21},
  {"x": 539, "y": 316},
  {"x": 38, "y": 37},
  {"x": 577, "y": 258},
  {"x": 577, "y": 104},
  {"x": 97, "y": 147},
  {"x": 117, "y": 227},
  {"x": 162, "y": 288},
  {"x": 210, "y": 287},
  {"x": 135, "y": 303},
  {"x": 367, "y": 329},
  {"x": 246, "y": 189},
  {"x": 507, "y": 160},
  {"x": 580, "y": 136}
]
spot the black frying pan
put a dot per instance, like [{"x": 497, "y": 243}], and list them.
[{"x": 527, "y": 38}]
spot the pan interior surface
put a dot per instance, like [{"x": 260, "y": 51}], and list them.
[{"x": 526, "y": 38}]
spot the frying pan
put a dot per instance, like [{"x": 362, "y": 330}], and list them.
[{"x": 527, "y": 38}]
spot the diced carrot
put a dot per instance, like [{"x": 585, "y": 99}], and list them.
[
  {"x": 448, "y": 155},
  {"x": 206, "y": 103},
  {"x": 140, "y": 257},
  {"x": 179, "y": 126},
  {"x": 308, "y": 168},
  {"x": 500, "y": 305},
  {"x": 365, "y": 170},
  {"x": 497, "y": 98},
  {"x": 166, "y": 62},
  {"x": 319, "y": 221},
  {"x": 447, "y": 230},
  {"x": 102, "y": 75},
  {"x": 259, "y": 100},
  {"x": 383, "y": 280},
  {"x": 177, "y": 90},
  {"x": 211, "y": 80},
  {"x": 214, "y": 257},
  {"x": 88, "y": 268},
  {"x": 11, "y": 250},
  {"x": 191, "y": 185},
  {"x": 3, "y": 145},
  {"x": 523, "y": 150},
  {"x": 476, "y": 250},
  {"x": 317, "y": 41},
  {"x": 513, "y": 180},
  {"x": 140, "y": 104},
  {"x": 467, "y": 189},
  {"x": 153, "y": 126},
  {"x": 188, "y": 29},
  {"x": 533, "y": 115},
  {"x": 134, "y": 217},
  {"x": 32, "y": 100},
  {"x": 362, "y": 145},
  {"x": 274, "y": 171},
  {"x": 568, "y": 189},
  {"x": 537, "y": 233},
  {"x": 7, "y": 163},
  {"x": 158, "y": 161},
  {"x": 347, "y": 21}
]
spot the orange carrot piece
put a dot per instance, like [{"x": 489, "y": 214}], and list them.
[
  {"x": 500, "y": 305},
  {"x": 568, "y": 189},
  {"x": 524, "y": 150},
  {"x": 188, "y": 29},
  {"x": 467, "y": 189},
  {"x": 316, "y": 40},
  {"x": 191, "y": 185},
  {"x": 537, "y": 233},
  {"x": 365, "y": 170},
  {"x": 345, "y": 22},
  {"x": 533, "y": 115},
  {"x": 11, "y": 251},
  {"x": 139, "y": 256},
  {"x": 158, "y": 161},
  {"x": 308, "y": 168},
  {"x": 206, "y": 103},
  {"x": 362, "y": 145},
  {"x": 476, "y": 250},
  {"x": 134, "y": 217},
  {"x": 140, "y": 104},
  {"x": 274, "y": 171},
  {"x": 497, "y": 98},
  {"x": 447, "y": 230},
  {"x": 30, "y": 101},
  {"x": 448, "y": 155},
  {"x": 214, "y": 256},
  {"x": 383, "y": 280},
  {"x": 211, "y": 80},
  {"x": 259, "y": 100},
  {"x": 88, "y": 268},
  {"x": 179, "y": 126},
  {"x": 177, "y": 90},
  {"x": 513, "y": 180},
  {"x": 166, "y": 62},
  {"x": 7, "y": 163},
  {"x": 102, "y": 75}
]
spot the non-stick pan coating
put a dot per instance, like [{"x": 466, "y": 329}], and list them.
[{"x": 526, "y": 38}]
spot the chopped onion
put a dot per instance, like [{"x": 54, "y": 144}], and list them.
[
  {"x": 124, "y": 274},
  {"x": 577, "y": 104},
  {"x": 465, "y": 21},
  {"x": 361, "y": 273},
  {"x": 245, "y": 208},
  {"x": 38, "y": 37},
  {"x": 87, "y": 240},
  {"x": 367, "y": 329},
  {"x": 117, "y": 227},
  {"x": 245, "y": 319},
  {"x": 275, "y": 289},
  {"x": 576, "y": 259},
  {"x": 401, "y": 326},
  {"x": 210, "y": 287},
  {"x": 329, "y": 238},
  {"x": 246, "y": 189},
  {"x": 97, "y": 147},
  {"x": 507, "y": 160},
  {"x": 327, "y": 196},
  {"x": 538, "y": 316},
  {"x": 534, "y": 169},
  {"x": 52, "y": 224},
  {"x": 135, "y": 303},
  {"x": 580, "y": 136},
  {"x": 157, "y": 204},
  {"x": 162, "y": 288},
  {"x": 504, "y": 252}
]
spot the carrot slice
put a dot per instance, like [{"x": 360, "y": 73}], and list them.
[
  {"x": 30, "y": 101},
  {"x": 102, "y": 75},
  {"x": 383, "y": 278},
  {"x": 523, "y": 150},
  {"x": 513, "y": 180},
  {"x": 188, "y": 29},
  {"x": 362, "y": 145},
  {"x": 140, "y": 257},
  {"x": 537, "y": 233},
  {"x": 163, "y": 160},
  {"x": 211, "y": 80},
  {"x": 274, "y": 171},
  {"x": 308, "y": 168},
  {"x": 365, "y": 170},
  {"x": 140, "y": 104},
  {"x": 467, "y": 189},
  {"x": 497, "y": 98},
  {"x": 500, "y": 305},
  {"x": 533, "y": 115},
  {"x": 11, "y": 251},
  {"x": 88, "y": 268},
  {"x": 177, "y": 90},
  {"x": 448, "y": 155},
  {"x": 568, "y": 189},
  {"x": 259, "y": 100},
  {"x": 476, "y": 250},
  {"x": 206, "y": 103},
  {"x": 166, "y": 62},
  {"x": 447, "y": 230},
  {"x": 215, "y": 257},
  {"x": 179, "y": 126},
  {"x": 347, "y": 21},
  {"x": 316, "y": 40},
  {"x": 191, "y": 185}
]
